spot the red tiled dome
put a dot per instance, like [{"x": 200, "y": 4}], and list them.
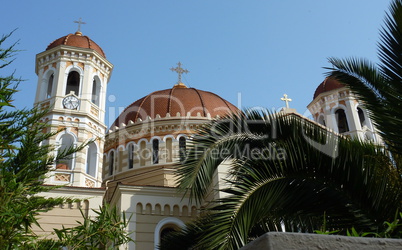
[
  {"x": 327, "y": 85},
  {"x": 178, "y": 99},
  {"x": 77, "y": 40}
]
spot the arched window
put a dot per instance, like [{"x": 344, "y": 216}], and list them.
[
  {"x": 73, "y": 83},
  {"x": 342, "y": 121},
  {"x": 50, "y": 86},
  {"x": 362, "y": 118},
  {"x": 155, "y": 151},
  {"x": 182, "y": 148},
  {"x": 66, "y": 142},
  {"x": 95, "y": 92},
  {"x": 111, "y": 163},
  {"x": 130, "y": 156},
  {"x": 92, "y": 155},
  {"x": 169, "y": 144},
  {"x": 164, "y": 227}
]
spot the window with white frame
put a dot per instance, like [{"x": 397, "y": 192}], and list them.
[
  {"x": 66, "y": 141},
  {"x": 73, "y": 83},
  {"x": 111, "y": 163},
  {"x": 342, "y": 121},
  {"x": 131, "y": 156},
  {"x": 155, "y": 151},
  {"x": 95, "y": 97},
  {"x": 92, "y": 155},
  {"x": 49, "y": 88},
  {"x": 182, "y": 148}
]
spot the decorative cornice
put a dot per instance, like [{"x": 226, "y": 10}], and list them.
[
  {"x": 168, "y": 117},
  {"x": 149, "y": 128},
  {"x": 68, "y": 53}
]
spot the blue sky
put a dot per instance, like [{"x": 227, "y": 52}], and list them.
[{"x": 256, "y": 49}]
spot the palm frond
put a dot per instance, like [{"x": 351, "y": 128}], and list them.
[
  {"x": 379, "y": 86},
  {"x": 357, "y": 188}
]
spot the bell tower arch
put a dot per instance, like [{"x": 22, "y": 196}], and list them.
[{"x": 73, "y": 74}]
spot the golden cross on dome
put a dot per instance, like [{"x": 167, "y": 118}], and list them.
[
  {"x": 179, "y": 70},
  {"x": 286, "y": 100},
  {"x": 79, "y": 24}
]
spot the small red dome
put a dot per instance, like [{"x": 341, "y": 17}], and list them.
[
  {"x": 178, "y": 99},
  {"x": 327, "y": 85},
  {"x": 77, "y": 40}
]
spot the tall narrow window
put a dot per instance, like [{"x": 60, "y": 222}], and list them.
[
  {"x": 73, "y": 83},
  {"x": 91, "y": 160},
  {"x": 169, "y": 150},
  {"x": 131, "y": 156},
  {"x": 143, "y": 153},
  {"x": 342, "y": 121},
  {"x": 104, "y": 160},
  {"x": 66, "y": 142},
  {"x": 50, "y": 86},
  {"x": 95, "y": 92},
  {"x": 111, "y": 163},
  {"x": 182, "y": 148},
  {"x": 155, "y": 151},
  {"x": 119, "y": 159},
  {"x": 362, "y": 118}
]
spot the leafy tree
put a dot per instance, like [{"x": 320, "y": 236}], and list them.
[
  {"x": 108, "y": 228},
  {"x": 25, "y": 160}
]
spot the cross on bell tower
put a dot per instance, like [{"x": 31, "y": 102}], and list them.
[
  {"x": 179, "y": 70},
  {"x": 79, "y": 25}
]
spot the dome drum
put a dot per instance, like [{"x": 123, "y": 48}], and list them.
[
  {"x": 168, "y": 117},
  {"x": 148, "y": 129}
]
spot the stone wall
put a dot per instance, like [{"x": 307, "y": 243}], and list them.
[{"x": 288, "y": 241}]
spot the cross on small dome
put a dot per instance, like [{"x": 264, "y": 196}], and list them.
[
  {"x": 79, "y": 26},
  {"x": 179, "y": 70}
]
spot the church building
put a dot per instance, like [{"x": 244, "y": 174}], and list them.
[{"x": 131, "y": 163}]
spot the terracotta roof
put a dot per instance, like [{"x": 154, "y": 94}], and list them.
[
  {"x": 178, "y": 99},
  {"x": 327, "y": 85},
  {"x": 77, "y": 40}
]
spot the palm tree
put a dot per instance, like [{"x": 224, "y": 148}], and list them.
[
  {"x": 291, "y": 182},
  {"x": 379, "y": 86},
  {"x": 280, "y": 180}
]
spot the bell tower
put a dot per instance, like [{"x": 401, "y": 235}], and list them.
[
  {"x": 337, "y": 108},
  {"x": 73, "y": 74}
]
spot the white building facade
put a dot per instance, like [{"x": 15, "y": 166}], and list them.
[{"x": 131, "y": 164}]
